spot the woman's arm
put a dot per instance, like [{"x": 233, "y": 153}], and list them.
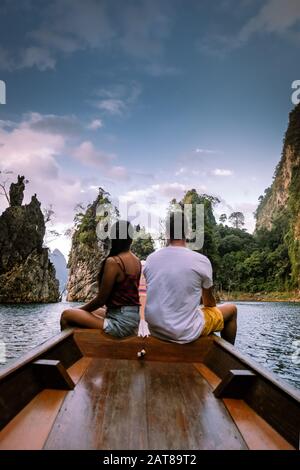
[{"x": 109, "y": 278}]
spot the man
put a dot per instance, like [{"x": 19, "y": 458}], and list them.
[{"x": 177, "y": 278}]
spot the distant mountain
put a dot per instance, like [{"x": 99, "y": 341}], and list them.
[{"x": 60, "y": 264}]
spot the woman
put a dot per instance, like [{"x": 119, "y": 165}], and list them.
[{"x": 118, "y": 281}]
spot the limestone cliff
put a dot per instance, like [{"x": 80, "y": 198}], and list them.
[
  {"x": 26, "y": 274},
  {"x": 282, "y": 199},
  {"x": 86, "y": 254}
]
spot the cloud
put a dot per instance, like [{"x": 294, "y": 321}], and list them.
[
  {"x": 112, "y": 106},
  {"x": 26, "y": 151},
  {"x": 274, "y": 17},
  {"x": 36, "y": 56},
  {"x": 145, "y": 25},
  {"x": 181, "y": 171},
  {"x": 136, "y": 29},
  {"x": 33, "y": 147},
  {"x": 71, "y": 25},
  {"x": 155, "y": 192},
  {"x": 6, "y": 59},
  {"x": 159, "y": 70},
  {"x": 88, "y": 154},
  {"x": 95, "y": 124},
  {"x": 117, "y": 99},
  {"x": 222, "y": 172},
  {"x": 208, "y": 151},
  {"x": 54, "y": 124},
  {"x": 117, "y": 173}
]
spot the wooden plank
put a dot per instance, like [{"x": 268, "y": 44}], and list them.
[
  {"x": 184, "y": 414},
  {"x": 52, "y": 374},
  {"x": 123, "y": 404},
  {"x": 272, "y": 399},
  {"x": 95, "y": 343},
  {"x": 105, "y": 411},
  {"x": 257, "y": 433},
  {"x": 20, "y": 375},
  {"x": 235, "y": 384},
  {"x": 30, "y": 428},
  {"x": 247, "y": 363},
  {"x": 35, "y": 353},
  {"x": 208, "y": 374}
]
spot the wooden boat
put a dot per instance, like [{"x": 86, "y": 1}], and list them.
[{"x": 85, "y": 390}]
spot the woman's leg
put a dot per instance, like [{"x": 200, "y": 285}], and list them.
[
  {"x": 229, "y": 312},
  {"x": 100, "y": 312},
  {"x": 80, "y": 318}
]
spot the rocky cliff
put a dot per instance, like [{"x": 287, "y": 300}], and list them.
[
  {"x": 86, "y": 254},
  {"x": 26, "y": 274},
  {"x": 281, "y": 201}
]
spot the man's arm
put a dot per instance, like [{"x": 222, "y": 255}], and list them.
[
  {"x": 107, "y": 283},
  {"x": 208, "y": 298}
]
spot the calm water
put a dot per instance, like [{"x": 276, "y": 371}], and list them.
[{"x": 266, "y": 332}]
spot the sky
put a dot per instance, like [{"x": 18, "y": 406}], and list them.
[{"x": 147, "y": 99}]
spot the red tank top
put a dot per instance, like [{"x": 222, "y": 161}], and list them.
[{"x": 126, "y": 292}]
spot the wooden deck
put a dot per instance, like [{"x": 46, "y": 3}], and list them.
[
  {"x": 121, "y": 404},
  {"x": 89, "y": 391}
]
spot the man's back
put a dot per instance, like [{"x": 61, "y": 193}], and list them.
[{"x": 175, "y": 277}]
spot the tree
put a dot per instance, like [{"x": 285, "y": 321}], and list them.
[
  {"x": 143, "y": 245},
  {"x": 48, "y": 213},
  {"x": 210, "y": 246},
  {"x": 237, "y": 219},
  {"x": 5, "y": 180},
  {"x": 223, "y": 218}
]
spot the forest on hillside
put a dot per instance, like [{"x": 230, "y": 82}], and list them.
[{"x": 242, "y": 262}]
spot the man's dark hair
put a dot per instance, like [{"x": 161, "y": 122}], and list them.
[{"x": 176, "y": 225}]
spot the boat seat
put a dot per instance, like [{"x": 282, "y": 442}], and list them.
[{"x": 96, "y": 343}]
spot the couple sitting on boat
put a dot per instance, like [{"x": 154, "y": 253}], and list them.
[{"x": 176, "y": 277}]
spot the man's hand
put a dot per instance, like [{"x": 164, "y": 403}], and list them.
[{"x": 208, "y": 297}]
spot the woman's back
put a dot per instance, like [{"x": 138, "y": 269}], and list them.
[{"x": 125, "y": 291}]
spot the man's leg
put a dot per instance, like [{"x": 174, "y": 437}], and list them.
[{"x": 229, "y": 312}]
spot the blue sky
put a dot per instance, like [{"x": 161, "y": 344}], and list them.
[{"x": 146, "y": 98}]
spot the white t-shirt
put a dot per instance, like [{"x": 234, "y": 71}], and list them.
[{"x": 175, "y": 277}]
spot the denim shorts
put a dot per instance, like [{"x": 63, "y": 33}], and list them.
[{"x": 122, "y": 321}]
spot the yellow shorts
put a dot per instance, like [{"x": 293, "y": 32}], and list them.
[{"x": 214, "y": 320}]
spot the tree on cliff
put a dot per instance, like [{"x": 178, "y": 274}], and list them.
[
  {"x": 223, "y": 218},
  {"x": 237, "y": 219},
  {"x": 143, "y": 245}
]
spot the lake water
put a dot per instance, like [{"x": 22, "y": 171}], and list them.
[{"x": 267, "y": 332}]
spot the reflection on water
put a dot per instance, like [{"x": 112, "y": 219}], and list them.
[{"x": 266, "y": 332}]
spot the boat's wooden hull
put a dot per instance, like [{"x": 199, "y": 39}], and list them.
[{"x": 86, "y": 390}]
